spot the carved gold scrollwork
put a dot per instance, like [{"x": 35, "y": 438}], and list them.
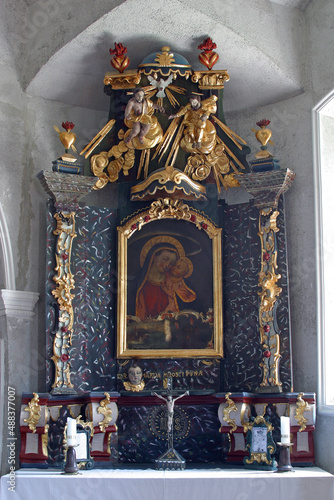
[
  {"x": 127, "y": 80},
  {"x": 83, "y": 424},
  {"x": 88, "y": 424},
  {"x": 199, "y": 166},
  {"x": 34, "y": 410},
  {"x": 210, "y": 79},
  {"x": 174, "y": 209},
  {"x": 64, "y": 280},
  {"x": 231, "y": 406},
  {"x": 258, "y": 420},
  {"x": 260, "y": 457},
  {"x": 105, "y": 411},
  {"x": 268, "y": 278},
  {"x": 302, "y": 406},
  {"x": 124, "y": 159},
  {"x": 45, "y": 438}
]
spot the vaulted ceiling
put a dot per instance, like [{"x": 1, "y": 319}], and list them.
[{"x": 263, "y": 44}]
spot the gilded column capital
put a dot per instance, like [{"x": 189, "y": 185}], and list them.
[
  {"x": 127, "y": 80},
  {"x": 210, "y": 79},
  {"x": 65, "y": 189},
  {"x": 267, "y": 187}
]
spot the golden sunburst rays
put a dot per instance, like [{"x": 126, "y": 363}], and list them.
[
  {"x": 144, "y": 162},
  {"x": 98, "y": 138},
  {"x": 235, "y": 138},
  {"x": 175, "y": 147},
  {"x": 150, "y": 91},
  {"x": 232, "y": 155},
  {"x": 179, "y": 90},
  {"x": 232, "y": 135},
  {"x": 167, "y": 138}
]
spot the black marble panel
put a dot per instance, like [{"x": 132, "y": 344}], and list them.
[
  {"x": 241, "y": 267},
  {"x": 94, "y": 267},
  {"x": 142, "y": 435}
]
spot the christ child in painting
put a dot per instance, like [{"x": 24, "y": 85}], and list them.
[{"x": 174, "y": 284}]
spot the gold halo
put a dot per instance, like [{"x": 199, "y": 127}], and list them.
[{"x": 160, "y": 239}]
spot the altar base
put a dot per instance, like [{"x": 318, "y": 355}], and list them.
[{"x": 171, "y": 460}]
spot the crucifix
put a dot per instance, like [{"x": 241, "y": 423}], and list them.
[{"x": 171, "y": 459}]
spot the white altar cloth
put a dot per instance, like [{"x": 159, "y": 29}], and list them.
[{"x": 308, "y": 483}]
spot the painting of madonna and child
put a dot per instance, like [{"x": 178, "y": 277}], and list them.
[{"x": 170, "y": 289}]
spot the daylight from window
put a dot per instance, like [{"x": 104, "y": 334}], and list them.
[{"x": 324, "y": 136}]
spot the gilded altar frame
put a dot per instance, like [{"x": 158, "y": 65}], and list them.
[{"x": 192, "y": 241}]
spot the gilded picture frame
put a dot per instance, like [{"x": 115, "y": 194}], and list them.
[{"x": 169, "y": 284}]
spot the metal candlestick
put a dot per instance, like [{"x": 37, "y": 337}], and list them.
[
  {"x": 71, "y": 461},
  {"x": 284, "y": 464}
]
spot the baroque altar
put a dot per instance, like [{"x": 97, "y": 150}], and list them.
[{"x": 172, "y": 283}]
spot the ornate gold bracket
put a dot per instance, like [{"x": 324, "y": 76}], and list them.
[
  {"x": 231, "y": 406},
  {"x": 34, "y": 410},
  {"x": 209, "y": 79},
  {"x": 65, "y": 284},
  {"x": 270, "y": 292},
  {"x": 302, "y": 406},
  {"x": 105, "y": 411},
  {"x": 128, "y": 80}
]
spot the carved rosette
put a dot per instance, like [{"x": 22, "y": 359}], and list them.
[
  {"x": 65, "y": 284},
  {"x": 270, "y": 291}
]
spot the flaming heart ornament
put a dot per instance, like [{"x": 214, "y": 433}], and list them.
[
  {"x": 67, "y": 139},
  {"x": 263, "y": 136},
  {"x": 208, "y": 57},
  {"x": 120, "y": 61}
]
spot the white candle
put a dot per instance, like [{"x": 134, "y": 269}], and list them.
[
  {"x": 285, "y": 430},
  {"x": 71, "y": 432}
]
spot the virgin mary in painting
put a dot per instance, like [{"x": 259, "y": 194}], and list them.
[
  {"x": 169, "y": 282},
  {"x": 164, "y": 267}
]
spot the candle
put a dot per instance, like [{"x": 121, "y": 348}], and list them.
[
  {"x": 71, "y": 432},
  {"x": 285, "y": 430}
]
